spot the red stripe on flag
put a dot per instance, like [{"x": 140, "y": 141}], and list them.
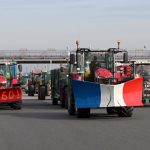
[{"x": 132, "y": 92}]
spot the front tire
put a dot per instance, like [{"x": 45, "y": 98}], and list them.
[
  {"x": 31, "y": 90},
  {"x": 41, "y": 93},
  {"x": 71, "y": 105},
  {"x": 125, "y": 111},
  {"x": 111, "y": 110}
]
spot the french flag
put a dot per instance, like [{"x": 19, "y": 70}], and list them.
[{"x": 95, "y": 95}]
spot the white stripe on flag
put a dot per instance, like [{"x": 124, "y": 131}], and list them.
[
  {"x": 118, "y": 95},
  {"x": 112, "y": 95},
  {"x": 107, "y": 94}
]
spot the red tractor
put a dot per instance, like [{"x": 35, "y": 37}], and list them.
[
  {"x": 33, "y": 82},
  {"x": 96, "y": 79},
  {"x": 10, "y": 91}
]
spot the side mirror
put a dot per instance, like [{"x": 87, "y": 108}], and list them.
[
  {"x": 72, "y": 58},
  {"x": 125, "y": 57}
]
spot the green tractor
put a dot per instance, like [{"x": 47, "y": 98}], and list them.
[
  {"x": 44, "y": 85},
  {"x": 59, "y": 86}
]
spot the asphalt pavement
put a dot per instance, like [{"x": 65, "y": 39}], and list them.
[{"x": 41, "y": 126}]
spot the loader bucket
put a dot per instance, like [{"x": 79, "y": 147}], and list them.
[
  {"x": 10, "y": 95},
  {"x": 94, "y": 95}
]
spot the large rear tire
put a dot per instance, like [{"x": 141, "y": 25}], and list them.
[
  {"x": 31, "y": 90},
  {"x": 71, "y": 110},
  {"x": 70, "y": 99},
  {"x": 41, "y": 93},
  {"x": 125, "y": 111},
  {"x": 64, "y": 97},
  {"x": 71, "y": 104},
  {"x": 29, "y": 93}
]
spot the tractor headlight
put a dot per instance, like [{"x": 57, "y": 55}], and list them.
[{"x": 3, "y": 83}]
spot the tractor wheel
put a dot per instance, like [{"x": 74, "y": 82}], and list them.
[
  {"x": 125, "y": 111},
  {"x": 31, "y": 90},
  {"x": 71, "y": 105},
  {"x": 66, "y": 98},
  {"x": 83, "y": 112},
  {"x": 71, "y": 110},
  {"x": 63, "y": 98},
  {"x": 41, "y": 93},
  {"x": 111, "y": 110},
  {"x": 16, "y": 105},
  {"x": 29, "y": 93}
]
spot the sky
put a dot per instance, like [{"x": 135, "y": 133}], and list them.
[{"x": 44, "y": 24}]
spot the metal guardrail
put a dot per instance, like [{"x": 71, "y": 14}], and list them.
[
  {"x": 29, "y": 53},
  {"x": 139, "y": 53},
  {"x": 52, "y": 55},
  {"x": 9, "y": 53},
  {"x": 34, "y": 56}
]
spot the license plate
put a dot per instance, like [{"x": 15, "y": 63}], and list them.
[{"x": 10, "y": 95}]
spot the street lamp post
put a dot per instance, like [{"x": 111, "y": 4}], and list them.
[
  {"x": 118, "y": 42},
  {"x": 77, "y": 43}
]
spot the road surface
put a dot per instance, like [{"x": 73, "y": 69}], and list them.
[{"x": 42, "y": 126}]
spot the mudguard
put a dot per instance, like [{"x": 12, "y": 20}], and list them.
[
  {"x": 10, "y": 95},
  {"x": 95, "y": 95}
]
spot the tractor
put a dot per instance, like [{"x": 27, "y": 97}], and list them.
[
  {"x": 10, "y": 90},
  {"x": 44, "y": 85},
  {"x": 39, "y": 83},
  {"x": 142, "y": 68},
  {"x": 59, "y": 85},
  {"x": 33, "y": 82},
  {"x": 97, "y": 79}
]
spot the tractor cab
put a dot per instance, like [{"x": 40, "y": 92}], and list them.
[
  {"x": 10, "y": 91},
  {"x": 110, "y": 65},
  {"x": 102, "y": 79},
  {"x": 9, "y": 71}
]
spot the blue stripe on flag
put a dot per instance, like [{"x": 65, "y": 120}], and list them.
[{"x": 86, "y": 94}]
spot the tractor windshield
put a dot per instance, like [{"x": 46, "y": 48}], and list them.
[
  {"x": 102, "y": 59},
  {"x": 7, "y": 70},
  {"x": 4, "y": 70},
  {"x": 143, "y": 70}
]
